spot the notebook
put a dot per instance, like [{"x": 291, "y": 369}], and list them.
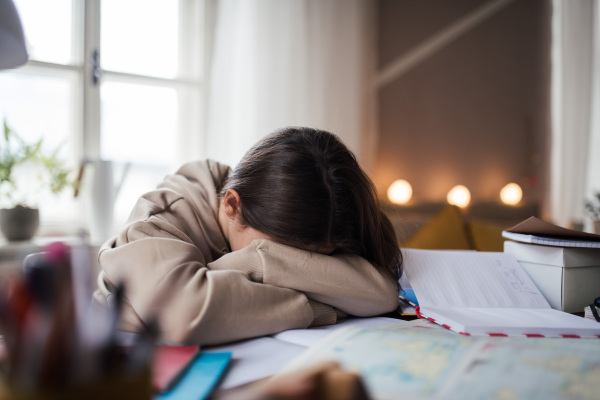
[
  {"x": 170, "y": 363},
  {"x": 534, "y": 230},
  {"x": 199, "y": 379},
  {"x": 486, "y": 293}
]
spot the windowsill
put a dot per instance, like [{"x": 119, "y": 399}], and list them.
[{"x": 13, "y": 253}]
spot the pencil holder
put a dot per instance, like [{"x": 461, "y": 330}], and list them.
[{"x": 128, "y": 387}]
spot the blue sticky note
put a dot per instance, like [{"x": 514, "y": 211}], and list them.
[
  {"x": 200, "y": 378},
  {"x": 409, "y": 294}
]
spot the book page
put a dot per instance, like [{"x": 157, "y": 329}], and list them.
[{"x": 470, "y": 279}]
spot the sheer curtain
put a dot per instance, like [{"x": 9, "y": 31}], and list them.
[
  {"x": 281, "y": 63},
  {"x": 575, "y": 173}
]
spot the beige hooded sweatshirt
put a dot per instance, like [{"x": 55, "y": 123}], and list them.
[{"x": 177, "y": 267}]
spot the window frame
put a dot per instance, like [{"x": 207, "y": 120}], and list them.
[{"x": 86, "y": 118}]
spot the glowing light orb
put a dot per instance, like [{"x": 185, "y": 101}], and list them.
[
  {"x": 459, "y": 196},
  {"x": 400, "y": 192},
  {"x": 511, "y": 194}
]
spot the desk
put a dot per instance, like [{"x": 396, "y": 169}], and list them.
[{"x": 258, "y": 358}]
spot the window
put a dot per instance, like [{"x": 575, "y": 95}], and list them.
[{"x": 118, "y": 80}]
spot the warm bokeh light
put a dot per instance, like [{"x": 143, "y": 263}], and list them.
[
  {"x": 511, "y": 194},
  {"x": 400, "y": 192},
  {"x": 459, "y": 196}
]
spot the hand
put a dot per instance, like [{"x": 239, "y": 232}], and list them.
[{"x": 321, "y": 381}]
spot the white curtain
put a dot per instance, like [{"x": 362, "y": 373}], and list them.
[
  {"x": 575, "y": 156},
  {"x": 280, "y": 63}
]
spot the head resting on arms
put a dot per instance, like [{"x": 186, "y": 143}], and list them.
[{"x": 303, "y": 187}]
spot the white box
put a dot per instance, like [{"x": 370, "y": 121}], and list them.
[{"x": 568, "y": 277}]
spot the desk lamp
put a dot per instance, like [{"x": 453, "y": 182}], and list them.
[{"x": 12, "y": 40}]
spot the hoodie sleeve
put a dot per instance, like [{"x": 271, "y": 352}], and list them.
[
  {"x": 346, "y": 282},
  {"x": 161, "y": 256},
  {"x": 166, "y": 277}
]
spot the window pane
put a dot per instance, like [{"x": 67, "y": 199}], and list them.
[
  {"x": 35, "y": 106},
  {"x": 139, "y": 126},
  {"x": 140, "y": 37},
  {"x": 40, "y": 105},
  {"x": 138, "y": 179},
  {"x": 139, "y": 123},
  {"x": 47, "y": 26}
]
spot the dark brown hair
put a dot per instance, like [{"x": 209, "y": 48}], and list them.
[{"x": 304, "y": 187}]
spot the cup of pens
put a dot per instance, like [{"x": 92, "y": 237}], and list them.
[{"x": 56, "y": 343}]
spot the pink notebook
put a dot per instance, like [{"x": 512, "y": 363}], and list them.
[{"x": 170, "y": 363}]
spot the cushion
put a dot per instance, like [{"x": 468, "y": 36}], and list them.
[
  {"x": 486, "y": 236},
  {"x": 445, "y": 231}
]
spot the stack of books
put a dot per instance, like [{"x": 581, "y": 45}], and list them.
[{"x": 564, "y": 264}]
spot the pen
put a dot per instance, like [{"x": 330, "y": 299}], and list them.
[
  {"x": 111, "y": 353},
  {"x": 141, "y": 353}
]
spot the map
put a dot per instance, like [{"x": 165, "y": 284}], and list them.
[{"x": 419, "y": 361}]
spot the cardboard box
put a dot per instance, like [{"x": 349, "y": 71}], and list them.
[{"x": 568, "y": 277}]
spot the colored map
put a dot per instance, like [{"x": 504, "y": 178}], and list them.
[{"x": 417, "y": 361}]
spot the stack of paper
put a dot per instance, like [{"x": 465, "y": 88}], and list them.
[
  {"x": 563, "y": 263},
  {"x": 534, "y": 230}
]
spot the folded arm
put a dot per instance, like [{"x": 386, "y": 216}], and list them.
[
  {"x": 346, "y": 282},
  {"x": 161, "y": 258},
  {"x": 262, "y": 289}
]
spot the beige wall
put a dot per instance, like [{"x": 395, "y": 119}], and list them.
[{"x": 476, "y": 111}]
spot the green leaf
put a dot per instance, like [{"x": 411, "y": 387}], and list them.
[{"x": 6, "y": 131}]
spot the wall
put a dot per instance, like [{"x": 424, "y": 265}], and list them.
[{"x": 476, "y": 110}]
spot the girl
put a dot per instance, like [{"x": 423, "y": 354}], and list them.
[{"x": 292, "y": 237}]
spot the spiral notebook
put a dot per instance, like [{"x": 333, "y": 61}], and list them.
[{"x": 486, "y": 293}]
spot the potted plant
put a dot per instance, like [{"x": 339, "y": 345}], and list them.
[
  {"x": 20, "y": 164},
  {"x": 593, "y": 209}
]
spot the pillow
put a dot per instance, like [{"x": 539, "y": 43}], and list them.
[
  {"x": 486, "y": 236},
  {"x": 445, "y": 231}
]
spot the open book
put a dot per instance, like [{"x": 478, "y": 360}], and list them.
[
  {"x": 534, "y": 230},
  {"x": 486, "y": 293}
]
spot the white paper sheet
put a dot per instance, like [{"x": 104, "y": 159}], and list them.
[
  {"x": 308, "y": 337},
  {"x": 470, "y": 279},
  {"x": 255, "y": 359}
]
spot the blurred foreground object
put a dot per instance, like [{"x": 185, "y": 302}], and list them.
[
  {"x": 57, "y": 344},
  {"x": 325, "y": 380}
]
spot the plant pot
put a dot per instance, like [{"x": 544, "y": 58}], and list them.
[{"x": 19, "y": 223}]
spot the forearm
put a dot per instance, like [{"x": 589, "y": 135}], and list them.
[
  {"x": 195, "y": 305},
  {"x": 346, "y": 282}
]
